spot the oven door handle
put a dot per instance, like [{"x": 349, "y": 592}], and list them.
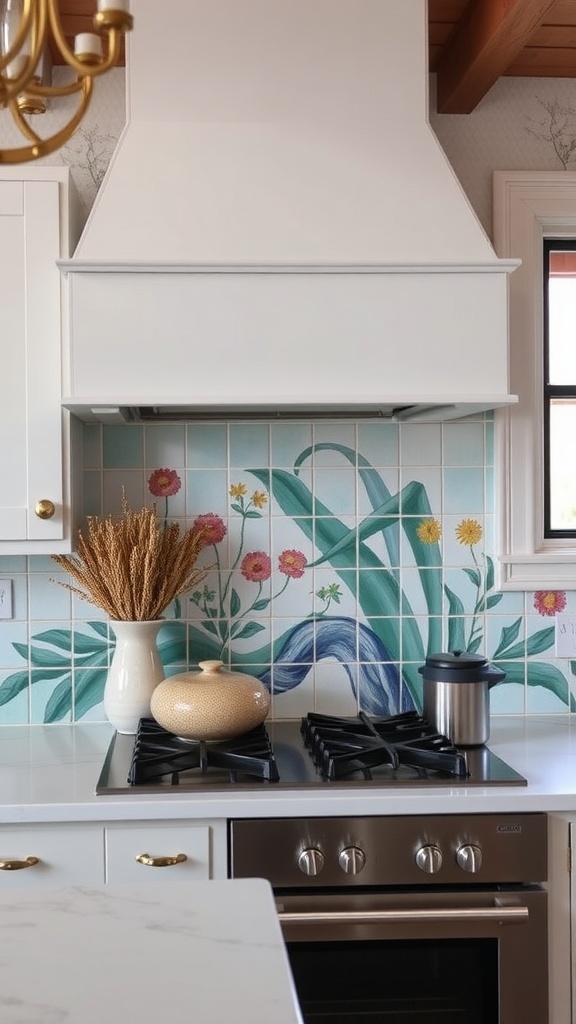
[{"x": 502, "y": 914}]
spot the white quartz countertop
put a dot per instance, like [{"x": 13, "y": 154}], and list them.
[
  {"x": 49, "y": 773},
  {"x": 204, "y": 951}
]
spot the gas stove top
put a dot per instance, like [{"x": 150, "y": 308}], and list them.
[{"x": 318, "y": 750}]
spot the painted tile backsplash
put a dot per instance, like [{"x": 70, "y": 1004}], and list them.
[{"x": 340, "y": 554}]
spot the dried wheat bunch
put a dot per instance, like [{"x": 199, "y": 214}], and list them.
[{"x": 133, "y": 566}]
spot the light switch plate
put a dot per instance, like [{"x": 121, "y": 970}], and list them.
[{"x": 5, "y": 599}]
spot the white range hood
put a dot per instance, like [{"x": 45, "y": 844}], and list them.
[{"x": 279, "y": 231}]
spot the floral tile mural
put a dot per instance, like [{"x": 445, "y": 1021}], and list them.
[{"x": 334, "y": 567}]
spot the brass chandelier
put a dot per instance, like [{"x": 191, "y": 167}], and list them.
[{"x": 29, "y": 29}]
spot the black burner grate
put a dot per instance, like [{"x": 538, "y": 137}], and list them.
[
  {"x": 341, "y": 747},
  {"x": 157, "y": 754}
]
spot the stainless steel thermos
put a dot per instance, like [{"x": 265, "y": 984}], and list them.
[{"x": 456, "y": 695}]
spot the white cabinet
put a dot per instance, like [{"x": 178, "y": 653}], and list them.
[
  {"x": 36, "y": 214},
  {"x": 95, "y": 853},
  {"x": 165, "y": 852}
]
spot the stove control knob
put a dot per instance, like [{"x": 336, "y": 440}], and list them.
[
  {"x": 311, "y": 861},
  {"x": 429, "y": 859},
  {"x": 352, "y": 859},
  {"x": 469, "y": 858}
]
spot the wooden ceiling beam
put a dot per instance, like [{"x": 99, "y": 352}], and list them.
[{"x": 486, "y": 42}]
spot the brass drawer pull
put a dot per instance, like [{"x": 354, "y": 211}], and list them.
[
  {"x": 161, "y": 862},
  {"x": 17, "y": 865}
]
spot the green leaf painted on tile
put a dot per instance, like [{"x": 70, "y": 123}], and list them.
[
  {"x": 456, "y": 637},
  {"x": 248, "y": 630},
  {"x": 68, "y": 640},
  {"x": 473, "y": 575},
  {"x": 99, "y": 627},
  {"x": 235, "y": 603},
  {"x": 57, "y": 637},
  {"x": 493, "y": 600},
  {"x": 259, "y": 606},
  {"x": 42, "y": 656},
  {"x": 507, "y": 637},
  {"x": 539, "y": 674},
  {"x": 374, "y": 485},
  {"x": 88, "y": 690},
  {"x": 59, "y": 704},
  {"x": 13, "y": 685},
  {"x": 490, "y": 574},
  {"x": 540, "y": 641}
]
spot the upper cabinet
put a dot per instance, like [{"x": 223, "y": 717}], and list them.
[{"x": 35, "y": 231}]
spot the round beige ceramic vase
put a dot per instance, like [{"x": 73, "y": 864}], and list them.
[{"x": 211, "y": 704}]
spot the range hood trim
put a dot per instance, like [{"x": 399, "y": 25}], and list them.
[
  {"x": 398, "y": 411},
  {"x": 77, "y": 266}
]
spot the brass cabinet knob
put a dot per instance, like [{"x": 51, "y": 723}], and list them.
[
  {"x": 161, "y": 862},
  {"x": 17, "y": 865},
  {"x": 45, "y": 508}
]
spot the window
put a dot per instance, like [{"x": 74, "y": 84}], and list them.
[
  {"x": 536, "y": 551},
  {"x": 559, "y": 393}
]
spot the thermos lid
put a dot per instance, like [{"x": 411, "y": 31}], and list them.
[
  {"x": 456, "y": 660},
  {"x": 460, "y": 667}
]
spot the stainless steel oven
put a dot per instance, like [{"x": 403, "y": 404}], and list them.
[{"x": 406, "y": 920}]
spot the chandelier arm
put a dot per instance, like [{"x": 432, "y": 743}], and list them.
[
  {"x": 83, "y": 68},
  {"x": 36, "y": 26},
  {"x": 37, "y": 89},
  {"x": 43, "y": 147}
]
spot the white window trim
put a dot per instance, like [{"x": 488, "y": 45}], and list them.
[{"x": 528, "y": 206}]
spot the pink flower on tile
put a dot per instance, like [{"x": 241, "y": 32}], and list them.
[
  {"x": 292, "y": 563},
  {"x": 163, "y": 483},
  {"x": 256, "y": 566},
  {"x": 212, "y": 526},
  {"x": 548, "y": 602}
]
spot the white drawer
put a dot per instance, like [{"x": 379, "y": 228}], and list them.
[
  {"x": 65, "y": 856},
  {"x": 159, "y": 853}
]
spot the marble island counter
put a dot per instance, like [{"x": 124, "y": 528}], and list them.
[
  {"x": 49, "y": 773},
  {"x": 205, "y": 951}
]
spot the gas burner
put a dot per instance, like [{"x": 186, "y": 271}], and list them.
[
  {"x": 157, "y": 753},
  {"x": 341, "y": 747}
]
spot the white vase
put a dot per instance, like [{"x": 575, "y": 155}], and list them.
[{"x": 135, "y": 671}]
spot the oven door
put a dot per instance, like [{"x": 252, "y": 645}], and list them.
[{"x": 471, "y": 956}]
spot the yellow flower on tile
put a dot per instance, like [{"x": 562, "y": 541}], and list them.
[
  {"x": 238, "y": 490},
  {"x": 429, "y": 531},
  {"x": 259, "y": 499},
  {"x": 469, "y": 532}
]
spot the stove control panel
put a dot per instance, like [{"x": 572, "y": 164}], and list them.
[{"x": 367, "y": 851}]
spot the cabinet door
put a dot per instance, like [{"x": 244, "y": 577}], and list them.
[
  {"x": 165, "y": 852},
  {"x": 30, "y": 322},
  {"x": 51, "y": 855}
]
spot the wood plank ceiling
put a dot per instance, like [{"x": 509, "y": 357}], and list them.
[{"x": 472, "y": 43}]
